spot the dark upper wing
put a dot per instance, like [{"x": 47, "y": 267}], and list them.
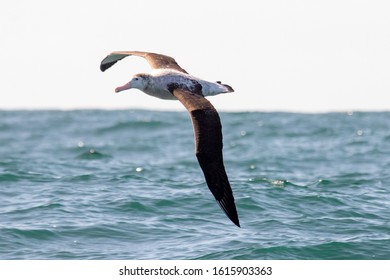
[
  {"x": 208, "y": 146},
  {"x": 156, "y": 61}
]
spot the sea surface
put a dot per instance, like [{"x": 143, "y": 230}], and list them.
[{"x": 125, "y": 184}]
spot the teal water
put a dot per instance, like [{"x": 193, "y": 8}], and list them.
[{"x": 126, "y": 185}]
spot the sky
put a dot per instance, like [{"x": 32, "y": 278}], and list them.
[{"x": 299, "y": 56}]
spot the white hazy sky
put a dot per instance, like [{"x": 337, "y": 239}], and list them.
[{"x": 291, "y": 55}]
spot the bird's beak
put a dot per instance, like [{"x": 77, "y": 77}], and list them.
[{"x": 124, "y": 87}]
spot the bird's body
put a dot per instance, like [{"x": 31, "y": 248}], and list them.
[
  {"x": 169, "y": 81},
  {"x": 160, "y": 79}
]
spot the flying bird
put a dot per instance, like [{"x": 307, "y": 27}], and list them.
[{"x": 169, "y": 81}]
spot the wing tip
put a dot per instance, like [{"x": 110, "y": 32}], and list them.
[
  {"x": 237, "y": 223},
  {"x": 230, "y": 211},
  {"x": 111, "y": 59},
  {"x": 105, "y": 65},
  {"x": 235, "y": 220}
]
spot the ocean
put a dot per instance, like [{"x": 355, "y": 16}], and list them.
[{"x": 125, "y": 184}]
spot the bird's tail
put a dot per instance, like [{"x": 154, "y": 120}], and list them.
[{"x": 228, "y": 88}]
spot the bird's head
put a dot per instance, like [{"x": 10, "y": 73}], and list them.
[{"x": 139, "y": 81}]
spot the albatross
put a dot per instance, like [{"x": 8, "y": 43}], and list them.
[{"x": 169, "y": 81}]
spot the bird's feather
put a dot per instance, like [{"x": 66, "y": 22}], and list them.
[
  {"x": 156, "y": 61},
  {"x": 208, "y": 148}
]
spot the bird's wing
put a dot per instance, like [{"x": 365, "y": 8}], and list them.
[
  {"x": 156, "y": 61},
  {"x": 208, "y": 147}
]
